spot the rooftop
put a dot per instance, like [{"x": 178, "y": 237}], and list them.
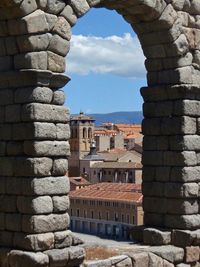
[
  {"x": 116, "y": 165},
  {"x": 78, "y": 181},
  {"x": 130, "y": 193},
  {"x": 81, "y": 117}
]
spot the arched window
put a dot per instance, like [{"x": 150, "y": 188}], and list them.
[
  {"x": 90, "y": 133},
  {"x": 84, "y": 133}
]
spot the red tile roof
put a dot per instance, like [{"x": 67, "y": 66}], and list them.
[
  {"x": 79, "y": 181},
  {"x": 130, "y": 193}
]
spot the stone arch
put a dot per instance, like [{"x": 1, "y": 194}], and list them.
[
  {"x": 34, "y": 40},
  {"x": 84, "y": 133}
]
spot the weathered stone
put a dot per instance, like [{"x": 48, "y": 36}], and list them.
[
  {"x": 184, "y": 222},
  {"x": 32, "y": 60},
  {"x": 55, "y": 6},
  {"x": 45, "y": 223},
  {"x": 60, "y": 203},
  {"x": 55, "y": 62},
  {"x": 39, "y": 242},
  {"x": 60, "y": 167},
  {"x": 63, "y": 131},
  {"x": 43, "y": 112},
  {"x": 139, "y": 259},
  {"x": 58, "y": 98},
  {"x": 153, "y": 236},
  {"x": 13, "y": 113},
  {"x": 13, "y": 222},
  {"x": 80, "y": 7},
  {"x": 59, "y": 45},
  {"x": 37, "y": 94},
  {"x": 69, "y": 15},
  {"x": 46, "y": 148},
  {"x": 192, "y": 254},
  {"x": 21, "y": 258},
  {"x": 38, "y": 205},
  {"x": 63, "y": 239},
  {"x": 169, "y": 253}
]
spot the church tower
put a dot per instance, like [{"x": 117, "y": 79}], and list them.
[{"x": 82, "y": 133}]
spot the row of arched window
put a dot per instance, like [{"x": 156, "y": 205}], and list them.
[{"x": 86, "y": 133}]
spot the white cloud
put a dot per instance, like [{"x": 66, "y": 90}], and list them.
[{"x": 121, "y": 56}]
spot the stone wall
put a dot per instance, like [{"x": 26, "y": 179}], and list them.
[{"x": 34, "y": 131}]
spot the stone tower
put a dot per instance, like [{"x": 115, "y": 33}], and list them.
[{"x": 82, "y": 132}]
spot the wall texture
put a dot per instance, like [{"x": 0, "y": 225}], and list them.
[{"x": 34, "y": 40}]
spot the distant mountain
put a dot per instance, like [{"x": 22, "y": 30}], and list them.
[{"x": 129, "y": 117}]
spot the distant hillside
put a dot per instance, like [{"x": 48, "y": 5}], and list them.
[{"x": 119, "y": 117}]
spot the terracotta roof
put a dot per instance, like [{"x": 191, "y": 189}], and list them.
[
  {"x": 116, "y": 165},
  {"x": 130, "y": 193},
  {"x": 79, "y": 181},
  {"x": 105, "y": 132}
]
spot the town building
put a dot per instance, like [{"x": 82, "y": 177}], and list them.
[
  {"x": 82, "y": 132},
  {"x": 77, "y": 183},
  {"x": 119, "y": 166},
  {"x": 106, "y": 209}
]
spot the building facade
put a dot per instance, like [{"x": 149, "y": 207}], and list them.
[
  {"x": 82, "y": 132},
  {"x": 106, "y": 209}
]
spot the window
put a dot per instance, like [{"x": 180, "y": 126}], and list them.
[
  {"x": 77, "y": 212},
  {"x": 122, "y": 217},
  {"x": 90, "y": 133},
  {"x": 127, "y": 218},
  {"x": 116, "y": 216},
  {"x": 95, "y": 172},
  {"x": 84, "y": 133},
  {"x": 71, "y": 212},
  {"x": 84, "y": 213},
  {"x": 99, "y": 215},
  {"x": 107, "y": 215},
  {"x": 83, "y": 170},
  {"x": 104, "y": 172},
  {"x": 109, "y": 172},
  {"x": 133, "y": 219},
  {"x": 92, "y": 214}
]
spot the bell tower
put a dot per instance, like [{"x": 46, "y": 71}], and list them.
[{"x": 82, "y": 133}]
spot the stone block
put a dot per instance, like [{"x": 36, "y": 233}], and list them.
[
  {"x": 63, "y": 28},
  {"x": 3, "y": 29},
  {"x": 153, "y": 189},
  {"x": 187, "y": 142},
  {"x": 60, "y": 203},
  {"x": 120, "y": 261},
  {"x": 187, "y": 107},
  {"x": 180, "y": 190},
  {"x": 34, "y": 130},
  {"x": 59, "y": 45},
  {"x": 3, "y": 185},
  {"x": 31, "y": 60},
  {"x": 158, "y": 109},
  {"x": 152, "y": 236},
  {"x": 58, "y": 257},
  {"x": 151, "y": 126},
  {"x": 63, "y": 239},
  {"x": 153, "y": 158},
  {"x": 80, "y": 7},
  {"x": 39, "y": 42},
  {"x": 158, "y": 261},
  {"x": 153, "y": 219},
  {"x": 13, "y": 222},
  {"x": 32, "y": 167},
  {"x": 186, "y": 174},
  {"x": 178, "y": 125},
  {"x": 58, "y": 97},
  {"x": 14, "y": 148},
  {"x": 98, "y": 263},
  {"x": 51, "y": 20},
  {"x": 35, "y": 94},
  {"x": 6, "y": 63},
  {"x": 76, "y": 255},
  {"x": 55, "y": 6},
  {"x": 45, "y": 223},
  {"x": 62, "y": 131},
  {"x": 6, "y": 239},
  {"x": 183, "y": 238},
  {"x": 2, "y": 114},
  {"x": 181, "y": 206},
  {"x": 192, "y": 254},
  {"x": 11, "y": 46},
  {"x": 162, "y": 174},
  {"x": 37, "y": 205},
  {"x": 139, "y": 259},
  {"x": 6, "y": 164},
  {"x": 44, "y": 113},
  {"x": 170, "y": 253},
  {"x": 13, "y": 113},
  {"x": 69, "y": 15},
  {"x": 46, "y": 186},
  {"x": 183, "y": 222},
  {"x": 155, "y": 143},
  {"x": 2, "y": 148},
  {"x": 148, "y": 173},
  {"x": 60, "y": 167},
  {"x": 8, "y": 203},
  {"x": 30, "y": 259},
  {"x": 55, "y": 62},
  {"x": 46, "y": 148},
  {"x": 154, "y": 204},
  {"x": 182, "y": 158},
  {"x": 38, "y": 242},
  {"x": 32, "y": 23}
]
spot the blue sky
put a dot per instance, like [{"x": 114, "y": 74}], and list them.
[{"x": 105, "y": 65}]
